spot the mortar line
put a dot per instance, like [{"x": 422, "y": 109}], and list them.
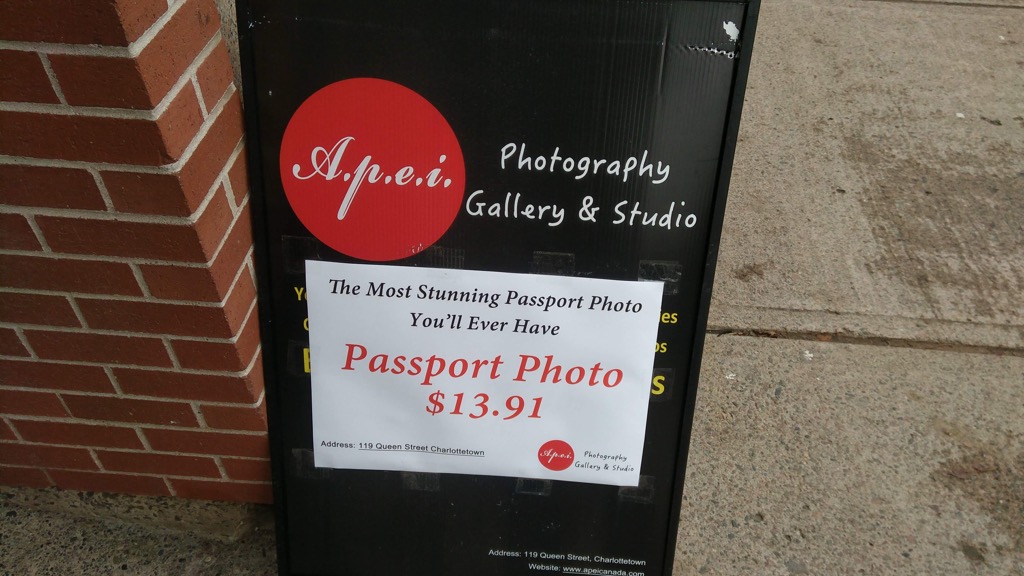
[
  {"x": 53, "y": 78},
  {"x": 119, "y": 394},
  {"x": 66, "y": 49},
  {"x": 137, "y": 271},
  {"x": 31, "y": 218},
  {"x": 199, "y": 96},
  {"x": 63, "y": 403},
  {"x": 142, "y": 439},
  {"x": 220, "y": 466},
  {"x": 163, "y": 369},
  {"x": 225, "y": 181},
  {"x": 113, "y": 298},
  {"x": 139, "y": 426},
  {"x": 198, "y": 413},
  {"x": 96, "y": 459},
  {"x": 94, "y": 258},
  {"x": 102, "y": 186},
  {"x": 113, "y": 380},
  {"x": 24, "y": 342},
  {"x": 14, "y": 430},
  {"x": 78, "y": 311},
  {"x": 170, "y": 352},
  {"x": 233, "y": 339}
]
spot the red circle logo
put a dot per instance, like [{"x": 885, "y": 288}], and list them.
[
  {"x": 556, "y": 455},
  {"x": 372, "y": 169}
]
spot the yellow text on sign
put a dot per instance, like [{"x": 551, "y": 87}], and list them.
[{"x": 658, "y": 385}]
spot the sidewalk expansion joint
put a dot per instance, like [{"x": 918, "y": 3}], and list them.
[
  {"x": 832, "y": 337},
  {"x": 960, "y": 4}
]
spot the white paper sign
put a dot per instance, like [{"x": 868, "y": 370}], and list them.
[{"x": 466, "y": 372}]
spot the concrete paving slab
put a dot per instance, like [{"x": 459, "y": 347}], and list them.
[
  {"x": 825, "y": 458},
  {"x": 56, "y": 533},
  {"x": 878, "y": 187}
]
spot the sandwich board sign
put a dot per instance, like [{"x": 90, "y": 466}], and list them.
[{"x": 485, "y": 237}]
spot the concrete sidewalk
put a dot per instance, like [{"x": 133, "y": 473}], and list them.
[
  {"x": 876, "y": 229},
  {"x": 861, "y": 407}
]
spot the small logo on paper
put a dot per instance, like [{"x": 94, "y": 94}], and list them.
[
  {"x": 556, "y": 455},
  {"x": 372, "y": 169}
]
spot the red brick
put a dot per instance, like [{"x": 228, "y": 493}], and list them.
[
  {"x": 143, "y": 82},
  {"x": 205, "y": 387},
  {"x": 61, "y": 275},
  {"x": 159, "y": 318},
  {"x": 215, "y": 75},
  {"x": 26, "y": 477},
  {"x": 258, "y": 492},
  {"x": 27, "y": 403},
  {"x": 37, "y": 309},
  {"x": 177, "y": 242},
  {"x": 36, "y": 374},
  {"x": 77, "y": 434},
  {"x": 11, "y": 345},
  {"x": 102, "y": 81},
  {"x": 109, "y": 482},
  {"x": 17, "y": 234},
  {"x": 239, "y": 178},
  {"x": 102, "y": 139},
  {"x": 181, "y": 283},
  {"x": 131, "y": 410},
  {"x": 23, "y": 78},
  {"x": 214, "y": 443},
  {"x": 49, "y": 187},
  {"x": 109, "y": 23},
  {"x": 236, "y": 417},
  {"x": 245, "y": 469},
  {"x": 46, "y": 456},
  {"x": 166, "y": 464},
  {"x": 203, "y": 284},
  {"x": 220, "y": 356},
  {"x": 177, "y": 45},
  {"x": 87, "y": 347},
  {"x": 127, "y": 239},
  {"x": 138, "y": 193}
]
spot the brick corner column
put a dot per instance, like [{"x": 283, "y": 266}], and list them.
[{"x": 129, "y": 338}]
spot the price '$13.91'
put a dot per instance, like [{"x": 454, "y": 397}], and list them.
[{"x": 479, "y": 406}]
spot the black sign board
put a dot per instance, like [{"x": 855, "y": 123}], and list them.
[{"x": 596, "y": 140}]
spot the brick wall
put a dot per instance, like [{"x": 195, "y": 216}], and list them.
[{"x": 129, "y": 346}]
